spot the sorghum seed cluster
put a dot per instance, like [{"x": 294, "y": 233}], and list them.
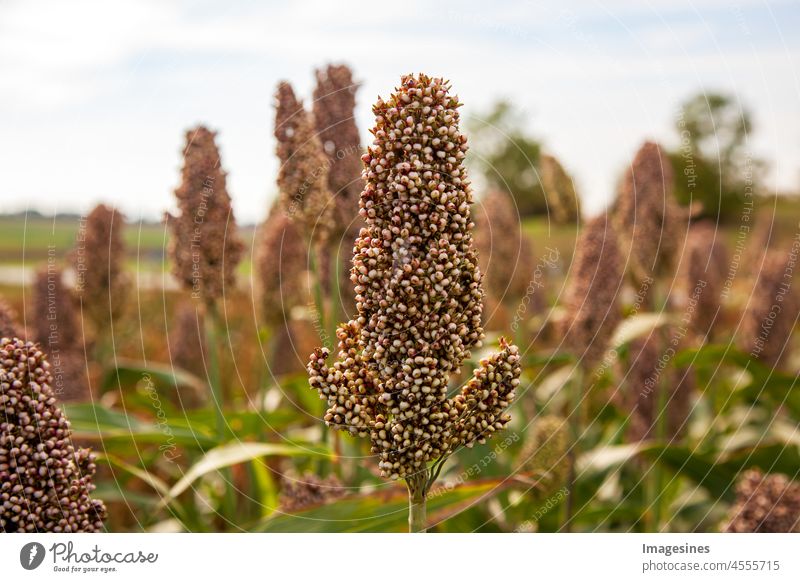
[
  {"x": 418, "y": 293},
  {"x": 765, "y": 504}
]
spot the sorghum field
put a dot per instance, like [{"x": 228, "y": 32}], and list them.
[{"x": 399, "y": 347}]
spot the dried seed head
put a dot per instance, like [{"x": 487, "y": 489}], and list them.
[
  {"x": 205, "y": 247},
  {"x": 647, "y": 216},
  {"x": 701, "y": 281},
  {"x": 562, "y": 199},
  {"x": 303, "y": 175},
  {"x": 280, "y": 261},
  {"x": 545, "y": 455},
  {"x": 98, "y": 260},
  {"x": 9, "y": 327},
  {"x": 418, "y": 295},
  {"x": 591, "y": 296},
  {"x": 647, "y": 376},
  {"x": 765, "y": 504},
  {"x": 334, "y": 117},
  {"x": 56, "y": 325},
  {"x": 505, "y": 253},
  {"x": 772, "y": 312},
  {"x": 45, "y": 483},
  {"x": 299, "y": 493}
]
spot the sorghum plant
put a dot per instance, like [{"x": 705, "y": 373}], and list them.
[
  {"x": 419, "y": 301},
  {"x": 563, "y": 203},
  {"x": 505, "y": 253},
  {"x": 8, "y": 322},
  {"x": 98, "y": 260},
  {"x": 545, "y": 456},
  {"x": 701, "y": 279},
  {"x": 334, "y": 117},
  {"x": 45, "y": 482},
  {"x": 58, "y": 331},
  {"x": 204, "y": 247},
  {"x": 772, "y": 311},
  {"x": 298, "y": 493},
  {"x": 765, "y": 504},
  {"x": 303, "y": 173},
  {"x": 593, "y": 312},
  {"x": 647, "y": 216}
]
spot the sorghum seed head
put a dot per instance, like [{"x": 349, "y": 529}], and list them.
[
  {"x": 418, "y": 296},
  {"x": 303, "y": 174},
  {"x": 704, "y": 267},
  {"x": 591, "y": 295},
  {"x": 299, "y": 493},
  {"x": 98, "y": 260},
  {"x": 647, "y": 216},
  {"x": 45, "y": 483},
  {"x": 562, "y": 199},
  {"x": 204, "y": 247},
  {"x": 334, "y": 117},
  {"x": 765, "y": 504},
  {"x": 9, "y": 327},
  {"x": 280, "y": 262},
  {"x": 505, "y": 253},
  {"x": 545, "y": 455},
  {"x": 56, "y": 325},
  {"x": 645, "y": 380},
  {"x": 772, "y": 311}
]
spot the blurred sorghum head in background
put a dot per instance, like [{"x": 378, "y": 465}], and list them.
[
  {"x": 299, "y": 493},
  {"x": 647, "y": 216},
  {"x": 505, "y": 253},
  {"x": 334, "y": 117},
  {"x": 304, "y": 166},
  {"x": 45, "y": 483},
  {"x": 765, "y": 504},
  {"x": 418, "y": 294},
  {"x": 281, "y": 260},
  {"x": 98, "y": 260},
  {"x": 9, "y": 326},
  {"x": 204, "y": 246},
  {"x": 650, "y": 380},
  {"x": 592, "y": 291},
  {"x": 563, "y": 203},
  {"x": 56, "y": 325},
  {"x": 700, "y": 285},
  {"x": 772, "y": 311}
]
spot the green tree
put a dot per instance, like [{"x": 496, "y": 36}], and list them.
[
  {"x": 712, "y": 165},
  {"x": 507, "y": 157}
]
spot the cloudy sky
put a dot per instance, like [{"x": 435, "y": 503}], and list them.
[{"x": 95, "y": 94}]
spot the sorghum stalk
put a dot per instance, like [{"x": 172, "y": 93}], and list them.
[
  {"x": 593, "y": 313},
  {"x": 419, "y": 301}
]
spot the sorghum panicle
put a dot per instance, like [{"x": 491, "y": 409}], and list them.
[
  {"x": 45, "y": 482},
  {"x": 418, "y": 293},
  {"x": 646, "y": 380},
  {"x": 591, "y": 297},
  {"x": 303, "y": 174},
  {"x": 562, "y": 199},
  {"x": 647, "y": 216},
  {"x": 299, "y": 493},
  {"x": 545, "y": 456},
  {"x": 772, "y": 312},
  {"x": 281, "y": 263},
  {"x": 505, "y": 253},
  {"x": 704, "y": 267},
  {"x": 9, "y": 327},
  {"x": 204, "y": 247},
  {"x": 765, "y": 504},
  {"x": 98, "y": 260},
  {"x": 334, "y": 117}
]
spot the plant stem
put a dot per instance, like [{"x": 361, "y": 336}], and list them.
[
  {"x": 575, "y": 428},
  {"x": 417, "y": 502},
  {"x": 214, "y": 375}
]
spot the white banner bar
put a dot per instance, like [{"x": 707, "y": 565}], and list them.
[{"x": 390, "y": 557}]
